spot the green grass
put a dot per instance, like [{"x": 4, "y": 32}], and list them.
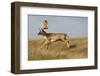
[{"x": 57, "y": 50}]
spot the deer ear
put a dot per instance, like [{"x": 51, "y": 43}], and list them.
[
  {"x": 39, "y": 29},
  {"x": 42, "y": 29}
]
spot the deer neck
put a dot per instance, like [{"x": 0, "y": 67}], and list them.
[{"x": 44, "y": 34}]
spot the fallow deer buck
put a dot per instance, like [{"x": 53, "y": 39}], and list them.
[{"x": 53, "y": 37}]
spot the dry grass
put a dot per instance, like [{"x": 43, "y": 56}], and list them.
[{"x": 57, "y": 50}]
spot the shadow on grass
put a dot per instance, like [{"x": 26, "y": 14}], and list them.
[{"x": 73, "y": 46}]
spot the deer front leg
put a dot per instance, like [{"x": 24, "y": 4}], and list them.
[
  {"x": 42, "y": 43},
  {"x": 45, "y": 44},
  {"x": 67, "y": 43}
]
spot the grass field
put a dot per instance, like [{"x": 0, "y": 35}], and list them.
[{"x": 57, "y": 50}]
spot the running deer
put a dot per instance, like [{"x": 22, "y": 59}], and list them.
[{"x": 53, "y": 37}]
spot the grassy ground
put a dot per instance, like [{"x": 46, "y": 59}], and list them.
[{"x": 57, "y": 50}]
